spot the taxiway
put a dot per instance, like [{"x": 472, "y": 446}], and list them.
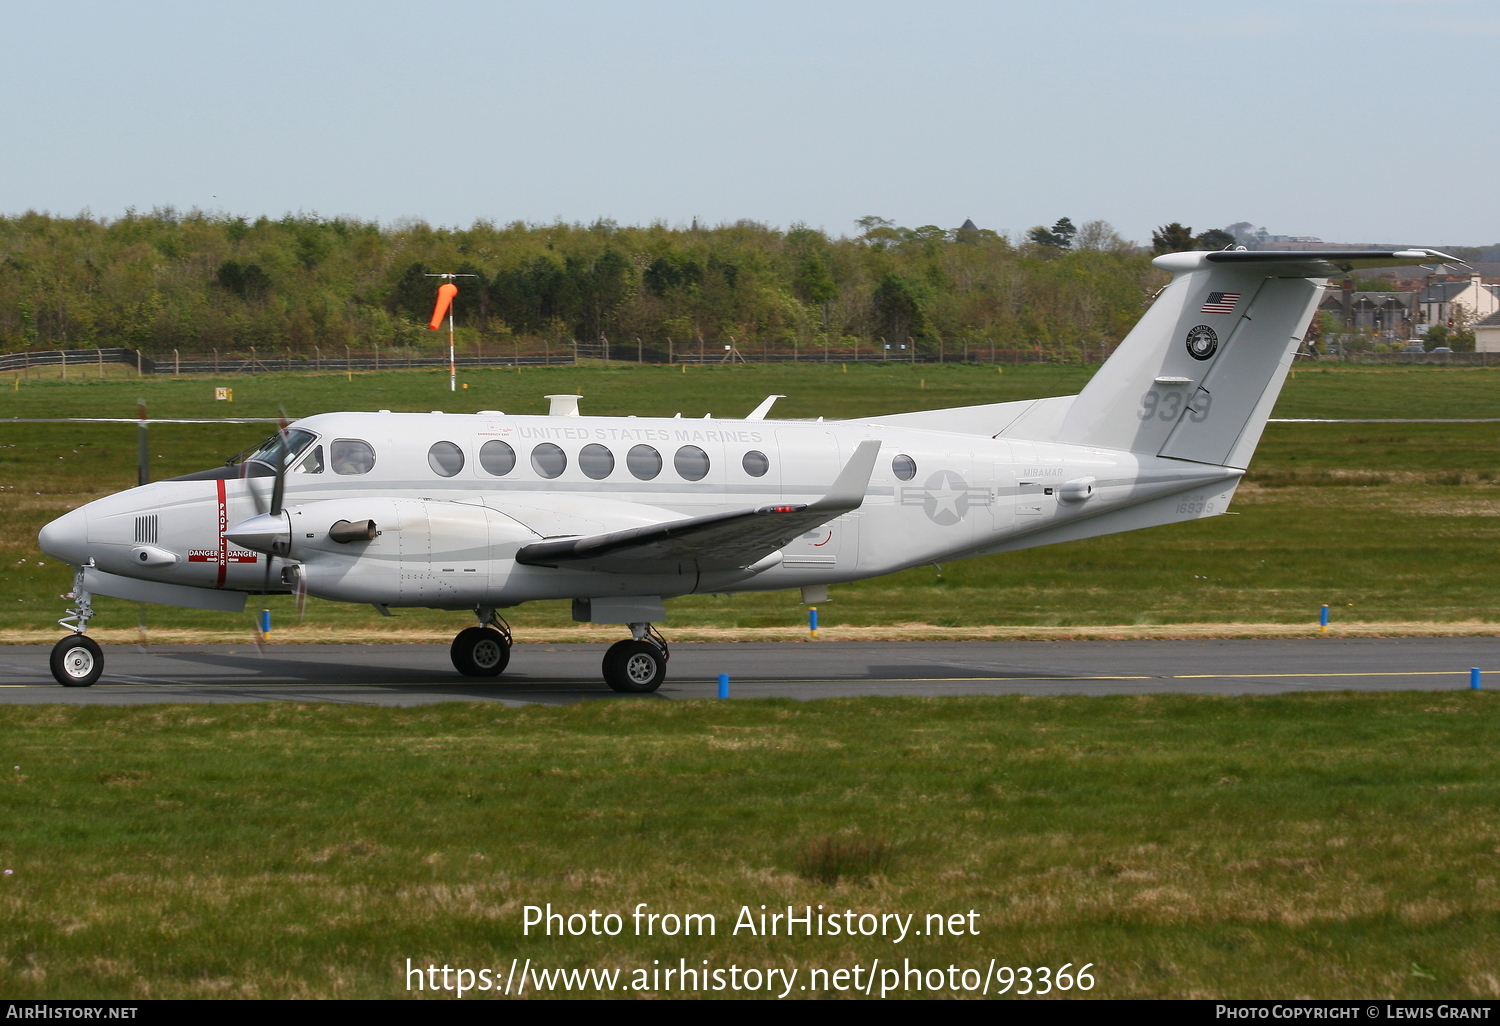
[{"x": 401, "y": 675}]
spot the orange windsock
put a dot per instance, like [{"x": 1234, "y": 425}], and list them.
[{"x": 446, "y": 291}]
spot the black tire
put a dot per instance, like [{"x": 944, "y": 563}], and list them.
[
  {"x": 635, "y": 667},
  {"x": 77, "y": 661},
  {"x": 480, "y": 652}
]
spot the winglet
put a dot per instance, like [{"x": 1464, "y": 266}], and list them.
[
  {"x": 759, "y": 413},
  {"x": 848, "y": 490}
]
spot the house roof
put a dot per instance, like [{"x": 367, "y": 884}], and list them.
[
  {"x": 1445, "y": 291},
  {"x": 1366, "y": 300},
  {"x": 1492, "y": 321}
]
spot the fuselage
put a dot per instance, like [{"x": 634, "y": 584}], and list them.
[{"x": 456, "y": 495}]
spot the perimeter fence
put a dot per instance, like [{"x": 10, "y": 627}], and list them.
[{"x": 174, "y": 363}]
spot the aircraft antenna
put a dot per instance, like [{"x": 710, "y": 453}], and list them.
[{"x": 446, "y": 291}]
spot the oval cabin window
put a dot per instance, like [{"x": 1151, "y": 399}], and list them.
[
  {"x": 497, "y": 457},
  {"x": 643, "y": 462},
  {"x": 548, "y": 460},
  {"x": 904, "y": 467},
  {"x": 596, "y": 461},
  {"x": 755, "y": 463},
  {"x": 351, "y": 456},
  {"x": 691, "y": 462},
  {"x": 445, "y": 459}
]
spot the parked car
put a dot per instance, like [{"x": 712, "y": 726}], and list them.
[
  {"x": 1414, "y": 347},
  {"x": 1441, "y": 349}
]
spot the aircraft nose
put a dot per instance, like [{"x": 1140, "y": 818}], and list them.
[{"x": 67, "y": 538}]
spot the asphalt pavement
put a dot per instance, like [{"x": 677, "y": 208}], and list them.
[{"x": 403, "y": 675}]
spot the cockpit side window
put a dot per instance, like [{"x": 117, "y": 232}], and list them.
[
  {"x": 281, "y": 449},
  {"x": 312, "y": 463},
  {"x": 351, "y": 456}
]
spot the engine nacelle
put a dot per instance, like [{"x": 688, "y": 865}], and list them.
[{"x": 419, "y": 552}]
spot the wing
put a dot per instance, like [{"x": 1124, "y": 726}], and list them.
[{"x": 719, "y": 541}]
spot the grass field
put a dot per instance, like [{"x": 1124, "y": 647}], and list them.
[
  {"x": 1310, "y": 845},
  {"x": 1340, "y": 845},
  {"x": 1389, "y": 523}
]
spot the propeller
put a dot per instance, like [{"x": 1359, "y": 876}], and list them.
[
  {"x": 278, "y": 494},
  {"x": 143, "y": 450},
  {"x": 300, "y": 591},
  {"x": 142, "y": 477}
]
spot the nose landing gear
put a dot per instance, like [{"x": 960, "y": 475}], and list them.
[
  {"x": 77, "y": 661},
  {"x": 482, "y": 651},
  {"x": 637, "y": 665}
]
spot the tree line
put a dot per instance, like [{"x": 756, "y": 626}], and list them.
[{"x": 196, "y": 281}]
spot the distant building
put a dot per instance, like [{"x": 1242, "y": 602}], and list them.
[
  {"x": 1440, "y": 300},
  {"x": 1487, "y": 334},
  {"x": 1387, "y": 313}
]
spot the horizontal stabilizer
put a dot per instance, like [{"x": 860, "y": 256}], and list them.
[
  {"x": 718, "y": 541},
  {"x": 1321, "y": 263}
]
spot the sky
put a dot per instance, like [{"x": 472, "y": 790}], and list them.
[{"x": 1350, "y": 120}]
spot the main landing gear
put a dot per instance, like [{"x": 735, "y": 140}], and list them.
[
  {"x": 77, "y": 661},
  {"x": 482, "y": 651},
  {"x": 639, "y": 664}
]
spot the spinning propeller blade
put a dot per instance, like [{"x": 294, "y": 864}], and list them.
[
  {"x": 143, "y": 455},
  {"x": 278, "y": 494}
]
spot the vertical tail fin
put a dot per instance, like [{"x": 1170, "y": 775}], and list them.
[{"x": 1197, "y": 376}]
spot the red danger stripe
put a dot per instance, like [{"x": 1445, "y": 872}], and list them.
[{"x": 223, "y": 541}]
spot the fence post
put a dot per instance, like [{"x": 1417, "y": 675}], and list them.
[{"x": 176, "y": 365}]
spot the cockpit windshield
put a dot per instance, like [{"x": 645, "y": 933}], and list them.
[{"x": 280, "y": 449}]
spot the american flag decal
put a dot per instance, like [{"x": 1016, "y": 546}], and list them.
[{"x": 1220, "y": 302}]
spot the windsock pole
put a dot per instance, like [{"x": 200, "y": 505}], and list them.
[{"x": 446, "y": 292}]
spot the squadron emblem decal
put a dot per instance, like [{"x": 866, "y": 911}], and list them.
[{"x": 1202, "y": 342}]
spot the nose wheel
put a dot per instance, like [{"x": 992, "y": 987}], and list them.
[
  {"x": 77, "y": 661},
  {"x": 638, "y": 665}
]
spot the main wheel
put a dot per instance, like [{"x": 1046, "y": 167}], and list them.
[
  {"x": 77, "y": 661},
  {"x": 480, "y": 652},
  {"x": 634, "y": 666}
]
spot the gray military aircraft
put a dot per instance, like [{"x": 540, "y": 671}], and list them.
[{"x": 485, "y": 511}]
